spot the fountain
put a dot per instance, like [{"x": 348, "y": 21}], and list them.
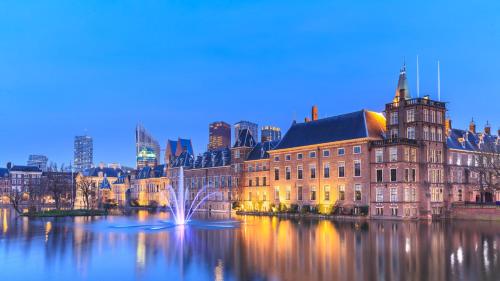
[{"x": 178, "y": 200}]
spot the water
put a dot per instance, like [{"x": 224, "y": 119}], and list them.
[{"x": 259, "y": 248}]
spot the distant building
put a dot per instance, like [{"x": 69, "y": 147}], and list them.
[
  {"x": 83, "y": 153},
  {"x": 25, "y": 178},
  {"x": 39, "y": 161},
  {"x": 4, "y": 185},
  {"x": 147, "y": 148},
  {"x": 252, "y": 127},
  {"x": 219, "y": 135},
  {"x": 270, "y": 133},
  {"x": 176, "y": 147}
]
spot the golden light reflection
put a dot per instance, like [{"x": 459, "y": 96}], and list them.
[
  {"x": 141, "y": 250},
  {"x": 219, "y": 271},
  {"x": 5, "y": 224},
  {"x": 48, "y": 228}
]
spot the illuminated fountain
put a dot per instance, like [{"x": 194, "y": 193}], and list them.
[{"x": 178, "y": 201}]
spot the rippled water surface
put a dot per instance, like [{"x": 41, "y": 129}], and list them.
[{"x": 143, "y": 246}]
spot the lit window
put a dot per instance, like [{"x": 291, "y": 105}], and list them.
[
  {"x": 356, "y": 149},
  {"x": 357, "y": 192},
  {"x": 341, "y": 192}
]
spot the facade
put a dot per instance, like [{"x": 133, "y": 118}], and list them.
[
  {"x": 270, "y": 133},
  {"x": 252, "y": 127},
  {"x": 219, "y": 134},
  {"x": 83, "y": 153},
  {"x": 25, "y": 178},
  {"x": 102, "y": 190},
  {"x": 327, "y": 171},
  {"x": 473, "y": 164},
  {"x": 149, "y": 187},
  {"x": 147, "y": 148},
  {"x": 39, "y": 161},
  {"x": 176, "y": 147},
  {"x": 408, "y": 171},
  {"x": 5, "y": 186}
]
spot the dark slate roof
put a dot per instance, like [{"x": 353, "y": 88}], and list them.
[
  {"x": 109, "y": 172},
  {"x": 354, "y": 125},
  {"x": 212, "y": 158},
  {"x": 121, "y": 179},
  {"x": 185, "y": 159},
  {"x": 173, "y": 145},
  {"x": 260, "y": 151},
  {"x": 245, "y": 139},
  {"x": 148, "y": 172},
  {"x": 472, "y": 141},
  {"x": 105, "y": 184},
  {"x": 25, "y": 169},
  {"x": 186, "y": 144},
  {"x": 4, "y": 172}
]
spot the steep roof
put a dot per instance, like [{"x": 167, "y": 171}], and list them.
[
  {"x": 354, "y": 125},
  {"x": 121, "y": 179},
  {"x": 402, "y": 85},
  {"x": 105, "y": 184},
  {"x": 469, "y": 141},
  {"x": 260, "y": 151},
  {"x": 109, "y": 172},
  {"x": 245, "y": 139},
  {"x": 4, "y": 172}
]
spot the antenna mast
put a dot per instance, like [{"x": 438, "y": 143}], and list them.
[
  {"x": 439, "y": 84},
  {"x": 418, "y": 81}
]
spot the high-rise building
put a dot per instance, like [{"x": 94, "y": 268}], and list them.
[
  {"x": 147, "y": 148},
  {"x": 83, "y": 153},
  {"x": 270, "y": 133},
  {"x": 219, "y": 135},
  {"x": 252, "y": 127},
  {"x": 39, "y": 161}
]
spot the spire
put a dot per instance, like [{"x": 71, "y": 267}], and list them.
[
  {"x": 402, "y": 91},
  {"x": 472, "y": 126}
]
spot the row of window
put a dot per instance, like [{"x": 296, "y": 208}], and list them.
[
  {"x": 312, "y": 154},
  {"x": 257, "y": 181},
  {"x": 211, "y": 182},
  {"x": 410, "y": 175},
  {"x": 428, "y": 116},
  {"x": 379, "y": 211},
  {"x": 410, "y": 195},
  {"x": 312, "y": 171},
  {"x": 300, "y": 195},
  {"x": 410, "y": 155}
]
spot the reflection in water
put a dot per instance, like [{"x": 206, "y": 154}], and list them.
[{"x": 262, "y": 248}]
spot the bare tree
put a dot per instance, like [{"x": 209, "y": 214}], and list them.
[
  {"x": 86, "y": 189},
  {"x": 16, "y": 197},
  {"x": 57, "y": 185}
]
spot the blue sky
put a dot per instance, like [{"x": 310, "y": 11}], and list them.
[{"x": 174, "y": 66}]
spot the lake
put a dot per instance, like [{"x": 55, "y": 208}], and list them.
[{"x": 136, "y": 247}]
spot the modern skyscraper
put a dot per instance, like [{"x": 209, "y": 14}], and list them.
[
  {"x": 39, "y": 161},
  {"x": 270, "y": 133},
  {"x": 83, "y": 153},
  {"x": 219, "y": 135},
  {"x": 252, "y": 127},
  {"x": 147, "y": 148}
]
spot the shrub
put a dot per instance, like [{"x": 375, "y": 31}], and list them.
[
  {"x": 294, "y": 208},
  {"x": 282, "y": 208},
  {"x": 305, "y": 209}
]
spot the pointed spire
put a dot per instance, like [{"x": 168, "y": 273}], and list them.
[{"x": 402, "y": 91}]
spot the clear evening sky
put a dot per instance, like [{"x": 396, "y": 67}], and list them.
[{"x": 174, "y": 66}]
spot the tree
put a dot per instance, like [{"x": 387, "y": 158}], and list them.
[
  {"x": 85, "y": 187},
  {"x": 56, "y": 184},
  {"x": 15, "y": 198}
]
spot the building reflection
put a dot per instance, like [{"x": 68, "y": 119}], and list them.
[{"x": 262, "y": 248}]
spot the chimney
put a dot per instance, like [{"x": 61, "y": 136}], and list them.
[
  {"x": 487, "y": 128},
  {"x": 472, "y": 126},
  {"x": 314, "y": 113},
  {"x": 447, "y": 126},
  {"x": 9, "y": 165}
]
